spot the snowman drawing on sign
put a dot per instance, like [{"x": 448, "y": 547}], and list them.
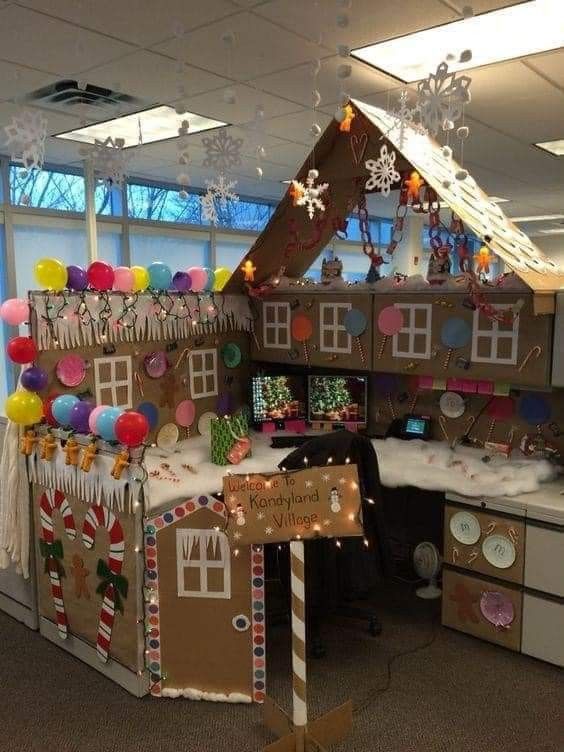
[
  {"x": 240, "y": 515},
  {"x": 335, "y": 500}
]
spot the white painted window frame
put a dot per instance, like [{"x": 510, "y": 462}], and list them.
[
  {"x": 113, "y": 384},
  {"x": 276, "y": 326},
  {"x": 203, "y": 372},
  {"x": 494, "y": 335},
  {"x": 412, "y": 331},
  {"x": 334, "y": 328},
  {"x": 202, "y": 563}
]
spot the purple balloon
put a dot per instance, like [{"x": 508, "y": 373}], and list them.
[
  {"x": 35, "y": 379},
  {"x": 181, "y": 282},
  {"x": 79, "y": 415},
  {"x": 77, "y": 278},
  {"x": 224, "y": 404}
]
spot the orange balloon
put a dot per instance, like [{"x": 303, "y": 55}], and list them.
[{"x": 302, "y": 328}]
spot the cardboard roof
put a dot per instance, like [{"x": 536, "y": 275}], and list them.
[{"x": 340, "y": 157}]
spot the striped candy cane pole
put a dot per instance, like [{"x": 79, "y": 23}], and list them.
[
  {"x": 100, "y": 516},
  {"x": 49, "y": 502},
  {"x": 298, "y": 643}
]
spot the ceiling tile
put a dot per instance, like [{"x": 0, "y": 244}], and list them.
[
  {"x": 18, "y": 80},
  {"x": 295, "y": 126},
  {"x": 550, "y": 64},
  {"x": 38, "y": 41}
]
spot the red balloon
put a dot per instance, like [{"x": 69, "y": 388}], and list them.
[
  {"x": 100, "y": 275},
  {"x": 21, "y": 350},
  {"x": 132, "y": 428},
  {"x": 47, "y": 411}
]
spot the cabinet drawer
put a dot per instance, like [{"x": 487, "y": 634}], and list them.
[
  {"x": 484, "y": 609},
  {"x": 485, "y": 542},
  {"x": 543, "y": 628},
  {"x": 544, "y": 558}
]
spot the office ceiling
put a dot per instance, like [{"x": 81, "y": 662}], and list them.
[{"x": 175, "y": 52}]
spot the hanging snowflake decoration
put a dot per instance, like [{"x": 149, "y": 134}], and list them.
[
  {"x": 308, "y": 195},
  {"x": 383, "y": 173},
  {"x": 222, "y": 151},
  {"x": 441, "y": 99},
  {"x": 219, "y": 193},
  {"x": 403, "y": 116},
  {"x": 26, "y": 135},
  {"x": 110, "y": 160}
]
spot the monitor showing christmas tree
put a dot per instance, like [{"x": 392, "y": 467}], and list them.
[
  {"x": 278, "y": 398},
  {"x": 339, "y": 399}
]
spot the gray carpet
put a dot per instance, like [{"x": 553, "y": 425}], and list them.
[{"x": 456, "y": 694}]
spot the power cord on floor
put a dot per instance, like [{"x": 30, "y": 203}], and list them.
[{"x": 371, "y": 696}]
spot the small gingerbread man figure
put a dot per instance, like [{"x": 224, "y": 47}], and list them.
[
  {"x": 80, "y": 573},
  {"x": 72, "y": 451},
  {"x": 121, "y": 462},
  {"x": 88, "y": 457},
  {"x": 48, "y": 445},
  {"x": 28, "y": 442}
]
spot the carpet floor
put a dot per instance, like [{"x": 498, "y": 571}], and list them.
[{"x": 416, "y": 688}]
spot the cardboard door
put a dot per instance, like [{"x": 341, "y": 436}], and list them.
[{"x": 207, "y": 629}]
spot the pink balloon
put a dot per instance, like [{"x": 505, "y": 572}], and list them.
[
  {"x": 14, "y": 311},
  {"x": 92, "y": 418},
  {"x": 199, "y": 278},
  {"x": 123, "y": 279},
  {"x": 185, "y": 413},
  {"x": 390, "y": 320}
]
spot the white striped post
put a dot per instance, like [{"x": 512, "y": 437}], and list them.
[{"x": 298, "y": 643}]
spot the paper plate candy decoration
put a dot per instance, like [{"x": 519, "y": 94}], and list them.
[
  {"x": 167, "y": 436},
  {"x": 497, "y": 608},
  {"x": 222, "y": 277},
  {"x": 465, "y": 528},
  {"x": 499, "y": 551},
  {"x": 124, "y": 281},
  {"x": 198, "y": 278},
  {"x": 185, "y": 413},
  {"x": 79, "y": 415},
  {"x": 61, "y": 408},
  {"x": 156, "y": 364},
  {"x": 231, "y": 354},
  {"x": 204, "y": 423},
  {"x": 106, "y": 423},
  {"x": 302, "y": 329},
  {"x": 21, "y": 350},
  {"x": 160, "y": 275},
  {"x": 355, "y": 323},
  {"x": 389, "y": 322},
  {"x": 140, "y": 278},
  {"x": 71, "y": 370},
  {"x": 452, "y": 405},
  {"x": 534, "y": 409},
  {"x": 182, "y": 282},
  {"x": 499, "y": 408},
  {"x": 100, "y": 276},
  {"x": 34, "y": 379},
  {"x": 14, "y": 311},
  {"x": 24, "y": 408},
  {"x": 77, "y": 279},
  {"x": 132, "y": 428},
  {"x": 50, "y": 274},
  {"x": 455, "y": 333},
  {"x": 151, "y": 412}
]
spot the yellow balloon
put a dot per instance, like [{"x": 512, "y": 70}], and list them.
[
  {"x": 140, "y": 278},
  {"x": 51, "y": 274},
  {"x": 222, "y": 277},
  {"x": 24, "y": 407}
]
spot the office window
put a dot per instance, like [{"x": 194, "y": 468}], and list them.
[
  {"x": 333, "y": 336},
  {"x": 230, "y": 251},
  {"x": 203, "y": 564},
  {"x": 414, "y": 338},
  {"x": 47, "y": 189},
  {"x": 494, "y": 341},
  {"x": 202, "y": 366},
  {"x": 276, "y": 325},
  {"x": 177, "y": 248},
  {"x": 160, "y": 204}
]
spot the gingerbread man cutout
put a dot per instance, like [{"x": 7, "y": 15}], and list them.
[
  {"x": 80, "y": 573},
  {"x": 465, "y": 601}
]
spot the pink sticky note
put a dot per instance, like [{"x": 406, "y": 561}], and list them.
[
  {"x": 469, "y": 386},
  {"x": 425, "y": 382},
  {"x": 454, "y": 385},
  {"x": 485, "y": 387}
]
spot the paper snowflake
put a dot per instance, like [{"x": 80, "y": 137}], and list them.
[
  {"x": 383, "y": 173},
  {"x": 403, "y": 116},
  {"x": 26, "y": 136},
  {"x": 110, "y": 161},
  {"x": 222, "y": 151},
  {"x": 237, "y": 535},
  {"x": 218, "y": 194},
  {"x": 268, "y": 530},
  {"x": 308, "y": 195},
  {"x": 441, "y": 98}
]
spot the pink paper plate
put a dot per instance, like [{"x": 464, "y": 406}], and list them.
[
  {"x": 71, "y": 370},
  {"x": 497, "y": 608},
  {"x": 156, "y": 364}
]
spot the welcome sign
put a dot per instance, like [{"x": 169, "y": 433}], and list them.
[{"x": 312, "y": 503}]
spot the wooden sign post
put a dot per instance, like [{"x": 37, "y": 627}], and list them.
[{"x": 312, "y": 503}]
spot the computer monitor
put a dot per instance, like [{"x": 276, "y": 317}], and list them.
[
  {"x": 278, "y": 398},
  {"x": 337, "y": 399}
]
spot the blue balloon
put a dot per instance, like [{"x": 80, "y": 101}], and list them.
[
  {"x": 61, "y": 408},
  {"x": 160, "y": 276},
  {"x": 150, "y": 411},
  {"x": 106, "y": 423},
  {"x": 210, "y": 282}
]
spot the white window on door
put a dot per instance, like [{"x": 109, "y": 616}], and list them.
[
  {"x": 333, "y": 336},
  {"x": 203, "y": 564},
  {"x": 414, "y": 338},
  {"x": 112, "y": 380},
  {"x": 495, "y": 341},
  {"x": 276, "y": 325},
  {"x": 202, "y": 365}
]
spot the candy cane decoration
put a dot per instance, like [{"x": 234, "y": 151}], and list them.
[
  {"x": 113, "y": 584},
  {"x": 53, "y": 550},
  {"x": 298, "y": 643}
]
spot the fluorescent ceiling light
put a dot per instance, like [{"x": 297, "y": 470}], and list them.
[
  {"x": 555, "y": 231},
  {"x": 553, "y": 147},
  {"x": 156, "y": 124},
  {"x": 504, "y": 34},
  {"x": 498, "y": 200},
  {"x": 537, "y": 218}
]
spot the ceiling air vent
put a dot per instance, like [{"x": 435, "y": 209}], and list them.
[{"x": 69, "y": 93}]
